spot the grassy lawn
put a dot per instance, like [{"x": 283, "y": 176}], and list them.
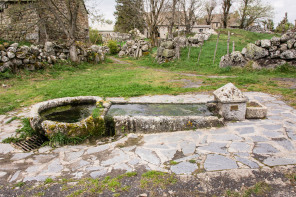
[{"x": 145, "y": 77}]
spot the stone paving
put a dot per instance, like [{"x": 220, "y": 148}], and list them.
[{"x": 249, "y": 144}]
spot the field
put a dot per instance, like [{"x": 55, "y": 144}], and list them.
[{"x": 145, "y": 77}]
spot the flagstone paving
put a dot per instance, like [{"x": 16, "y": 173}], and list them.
[{"x": 249, "y": 144}]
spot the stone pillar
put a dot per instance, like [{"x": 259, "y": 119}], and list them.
[{"x": 232, "y": 103}]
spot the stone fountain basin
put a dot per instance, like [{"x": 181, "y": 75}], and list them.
[
  {"x": 255, "y": 110},
  {"x": 162, "y": 123},
  {"x": 84, "y": 127}
]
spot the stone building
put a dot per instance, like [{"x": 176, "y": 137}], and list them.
[{"x": 27, "y": 20}]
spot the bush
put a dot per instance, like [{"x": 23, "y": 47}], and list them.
[
  {"x": 113, "y": 47},
  {"x": 95, "y": 37}
]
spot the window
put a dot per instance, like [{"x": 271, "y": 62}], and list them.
[{"x": 217, "y": 24}]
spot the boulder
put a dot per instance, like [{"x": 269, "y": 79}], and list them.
[
  {"x": 254, "y": 52},
  {"x": 121, "y": 53},
  {"x": 275, "y": 54},
  {"x": 283, "y": 47},
  {"x": 290, "y": 43},
  {"x": 275, "y": 41},
  {"x": 145, "y": 48},
  {"x": 234, "y": 59},
  {"x": 272, "y": 48},
  {"x": 286, "y": 37},
  {"x": 10, "y": 55},
  {"x": 49, "y": 48},
  {"x": 265, "y": 43},
  {"x": 289, "y": 54},
  {"x": 168, "y": 53}
]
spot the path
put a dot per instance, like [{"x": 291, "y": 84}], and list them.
[{"x": 250, "y": 144}]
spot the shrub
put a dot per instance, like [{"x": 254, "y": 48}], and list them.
[
  {"x": 95, "y": 37},
  {"x": 113, "y": 47}
]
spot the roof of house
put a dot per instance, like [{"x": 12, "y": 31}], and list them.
[{"x": 217, "y": 18}]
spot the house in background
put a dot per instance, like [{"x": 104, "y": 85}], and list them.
[
  {"x": 216, "y": 23},
  {"x": 20, "y": 20},
  {"x": 179, "y": 25}
]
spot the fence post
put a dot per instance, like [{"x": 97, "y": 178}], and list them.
[
  {"x": 216, "y": 47},
  {"x": 228, "y": 43}
]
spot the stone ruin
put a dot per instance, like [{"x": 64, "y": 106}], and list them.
[
  {"x": 136, "y": 34},
  {"x": 134, "y": 48},
  {"x": 116, "y": 36},
  {"x": 167, "y": 51},
  {"x": 264, "y": 53},
  {"x": 257, "y": 29},
  {"x": 14, "y": 57}
]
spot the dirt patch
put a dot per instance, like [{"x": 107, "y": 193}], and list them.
[{"x": 289, "y": 83}]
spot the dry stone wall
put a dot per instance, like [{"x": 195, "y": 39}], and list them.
[
  {"x": 14, "y": 57},
  {"x": 167, "y": 51},
  {"x": 134, "y": 48},
  {"x": 264, "y": 53}
]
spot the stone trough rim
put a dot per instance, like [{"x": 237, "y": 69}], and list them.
[{"x": 36, "y": 119}]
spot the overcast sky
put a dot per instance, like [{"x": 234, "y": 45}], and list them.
[{"x": 107, "y": 7}]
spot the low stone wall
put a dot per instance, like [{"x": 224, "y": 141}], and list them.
[
  {"x": 167, "y": 51},
  {"x": 134, "y": 48},
  {"x": 14, "y": 57},
  {"x": 194, "y": 41},
  {"x": 264, "y": 53}
]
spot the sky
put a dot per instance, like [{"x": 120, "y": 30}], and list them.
[{"x": 107, "y": 8}]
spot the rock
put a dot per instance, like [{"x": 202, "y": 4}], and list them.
[
  {"x": 275, "y": 54},
  {"x": 7, "y": 65},
  {"x": 17, "y": 62},
  {"x": 130, "y": 43},
  {"x": 168, "y": 45},
  {"x": 272, "y": 48},
  {"x": 14, "y": 45},
  {"x": 145, "y": 48},
  {"x": 289, "y": 54},
  {"x": 285, "y": 37},
  {"x": 168, "y": 53},
  {"x": 290, "y": 43},
  {"x": 10, "y": 55},
  {"x": 160, "y": 51},
  {"x": 49, "y": 48},
  {"x": 265, "y": 43},
  {"x": 4, "y": 59},
  {"x": 275, "y": 41},
  {"x": 254, "y": 52},
  {"x": 95, "y": 48},
  {"x": 258, "y": 43},
  {"x": 4, "y": 68},
  {"x": 62, "y": 56},
  {"x": 2, "y": 48},
  {"x": 283, "y": 47},
  {"x": 26, "y": 61},
  {"x": 234, "y": 59}
]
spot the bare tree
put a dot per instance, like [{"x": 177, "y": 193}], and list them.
[
  {"x": 226, "y": 5},
  {"x": 210, "y": 6},
  {"x": 153, "y": 9},
  {"x": 252, "y": 10},
  {"x": 65, "y": 16},
  {"x": 171, "y": 16},
  {"x": 190, "y": 8}
]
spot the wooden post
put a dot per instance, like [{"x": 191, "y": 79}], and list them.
[
  {"x": 200, "y": 52},
  {"x": 228, "y": 43},
  {"x": 233, "y": 46},
  {"x": 189, "y": 50},
  {"x": 216, "y": 47}
]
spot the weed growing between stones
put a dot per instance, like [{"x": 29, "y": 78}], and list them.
[
  {"x": 22, "y": 133},
  {"x": 153, "y": 179},
  {"x": 11, "y": 120},
  {"x": 259, "y": 189}
]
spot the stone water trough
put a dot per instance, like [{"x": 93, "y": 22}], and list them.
[{"x": 87, "y": 116}]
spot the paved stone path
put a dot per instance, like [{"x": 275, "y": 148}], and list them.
[{"x": 249, "y": 144}]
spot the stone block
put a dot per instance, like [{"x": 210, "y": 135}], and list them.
[
  {"x": 255, "y": 110},
  {"x": 168, "y": 53}
]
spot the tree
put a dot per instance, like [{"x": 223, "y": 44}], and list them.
[
  {"x": 65, "y": 14},
  {"x": 284, "y": 25},
  {"x": 226, "y": 5},
  {"x": 171, "y": 16},
  {"x": 153, "y": 10},
  {"x": 190, "y": 8},
  {"x": 210, "y": 6},
  {"x": 129, "y": 15},
  {"x": 253, "y": 10}
]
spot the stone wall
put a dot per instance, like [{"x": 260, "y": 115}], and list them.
[
  {"x": 167, "y": 51},
  {"x": 134, "y": 48},
  {"x": 264, "y": 53},
  {"x": 14, "y": 57},
  {"x": 27, "y": 21}
]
